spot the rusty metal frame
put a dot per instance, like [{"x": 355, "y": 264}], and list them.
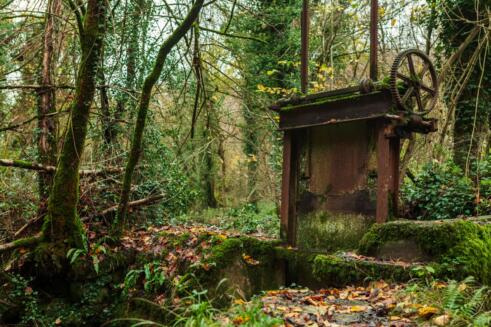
[
  {"x": 297, "y": 115},
  {"x": 369, "y": 106},
  {"x": 373, "y": 40},
  {"x": 304, "y": 57}
]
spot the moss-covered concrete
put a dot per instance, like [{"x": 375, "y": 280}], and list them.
[
  {"x": 242, "y": 265},
  {"x": 338, "y": 271},
  {"x": 459, "y": 247}
]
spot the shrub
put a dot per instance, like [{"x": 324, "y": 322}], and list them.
[
  {"x": 439, "y": 191},
  {"x": 249, "y": 218}
]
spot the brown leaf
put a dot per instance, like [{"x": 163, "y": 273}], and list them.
[{"x": 442, "y": 320}]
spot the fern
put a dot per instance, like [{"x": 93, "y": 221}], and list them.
[
  {"x": 466, "y": 303},
  {"x": 473, "y": 305},
  {"x": 482, "y": 320},
  {"x": 453, "y": 296}
]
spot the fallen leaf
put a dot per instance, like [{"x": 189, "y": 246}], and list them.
[
  {"x": 442, "y": 320},
  {"x": 427, "y": 311},
  {"x": 358, "y": 308},
  {"x": 250, "y": 260}
]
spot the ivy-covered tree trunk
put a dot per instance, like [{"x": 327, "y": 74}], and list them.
[
  {"x": 469, "y": 127},
  {"x": 469, "y": 87},
  {"x": 125, "y": 100},
  {"x": 144, "y": 102},
  {"x": 62, "y": 224},
  {"x": 46, "y": 109},
  {"x": 107, "y": 121}
]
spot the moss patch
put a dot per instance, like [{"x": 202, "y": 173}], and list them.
[
  {"x": 337, "y": 271},
  {"x": 323, "y": 231},
  {"x": 326, "y": 100}
]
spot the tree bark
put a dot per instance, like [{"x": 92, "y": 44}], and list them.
[
  {"x": 46, "y": 110},
  {"x": 62, "y": 224},
  {"x": 150, "y": 81}
]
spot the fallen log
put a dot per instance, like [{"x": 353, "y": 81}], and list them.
[
  {"x": 137, "y": 203},
  {"x": 51, "y": 169},
  {"x": 22, "y": 243}
]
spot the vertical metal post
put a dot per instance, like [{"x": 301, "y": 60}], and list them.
[
  {"x": 304, "y": 61},
  {"x": 373, "y": 40}
]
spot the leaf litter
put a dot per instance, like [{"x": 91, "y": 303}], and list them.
[{"x": 370, "y": 306}]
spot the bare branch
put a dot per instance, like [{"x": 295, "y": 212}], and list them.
[
  {"x": 78, "y": 16},
  {"x": 51, "y": 169}
]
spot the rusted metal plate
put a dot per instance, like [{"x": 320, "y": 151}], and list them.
[
  {"x": 361, "y": 107},
  {"x": 338, "y": 169}
]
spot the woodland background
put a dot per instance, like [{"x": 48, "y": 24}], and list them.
[
  {"x": 125, "y": 123},
  {"x": 210, "y": 140}
]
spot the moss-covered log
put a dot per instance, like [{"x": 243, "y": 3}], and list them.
[
  {"x": 62, "y": 224},
  {"x": 148, "y": 85},
  {"x": 23, "y": 242}
]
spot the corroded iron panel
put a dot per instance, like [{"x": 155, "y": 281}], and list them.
[{"x": 341, "y": 157}]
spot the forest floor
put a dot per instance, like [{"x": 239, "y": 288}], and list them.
[
  {"x": 380, "y": 304},
  {"x": 376, "y": 304}
]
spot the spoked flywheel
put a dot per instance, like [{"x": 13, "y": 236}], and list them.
[{"x": 413, "y": 82}]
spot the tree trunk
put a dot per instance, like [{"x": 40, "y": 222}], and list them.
[
  {"x": 468, "y": 127},
  {"x": 62, "y": 224},
  {"x": 251, "y": 150},
  {"x": 107, "y": 121},
  {"x": 209, "y": 169},
  {"x": 46, "y": 137},
  {"x": 125, "y": 100},
  {"x": 150, "y": 81}
]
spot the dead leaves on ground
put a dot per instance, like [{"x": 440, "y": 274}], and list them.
[{"x": 379, "y": 304}]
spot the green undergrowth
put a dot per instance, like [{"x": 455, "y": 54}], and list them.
[
  {"x": 452, "y": 303},
  {"x": 457, "y": 248},
  {"x": 259, "y": 218},
  {"x": 92, "y": 292}
]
